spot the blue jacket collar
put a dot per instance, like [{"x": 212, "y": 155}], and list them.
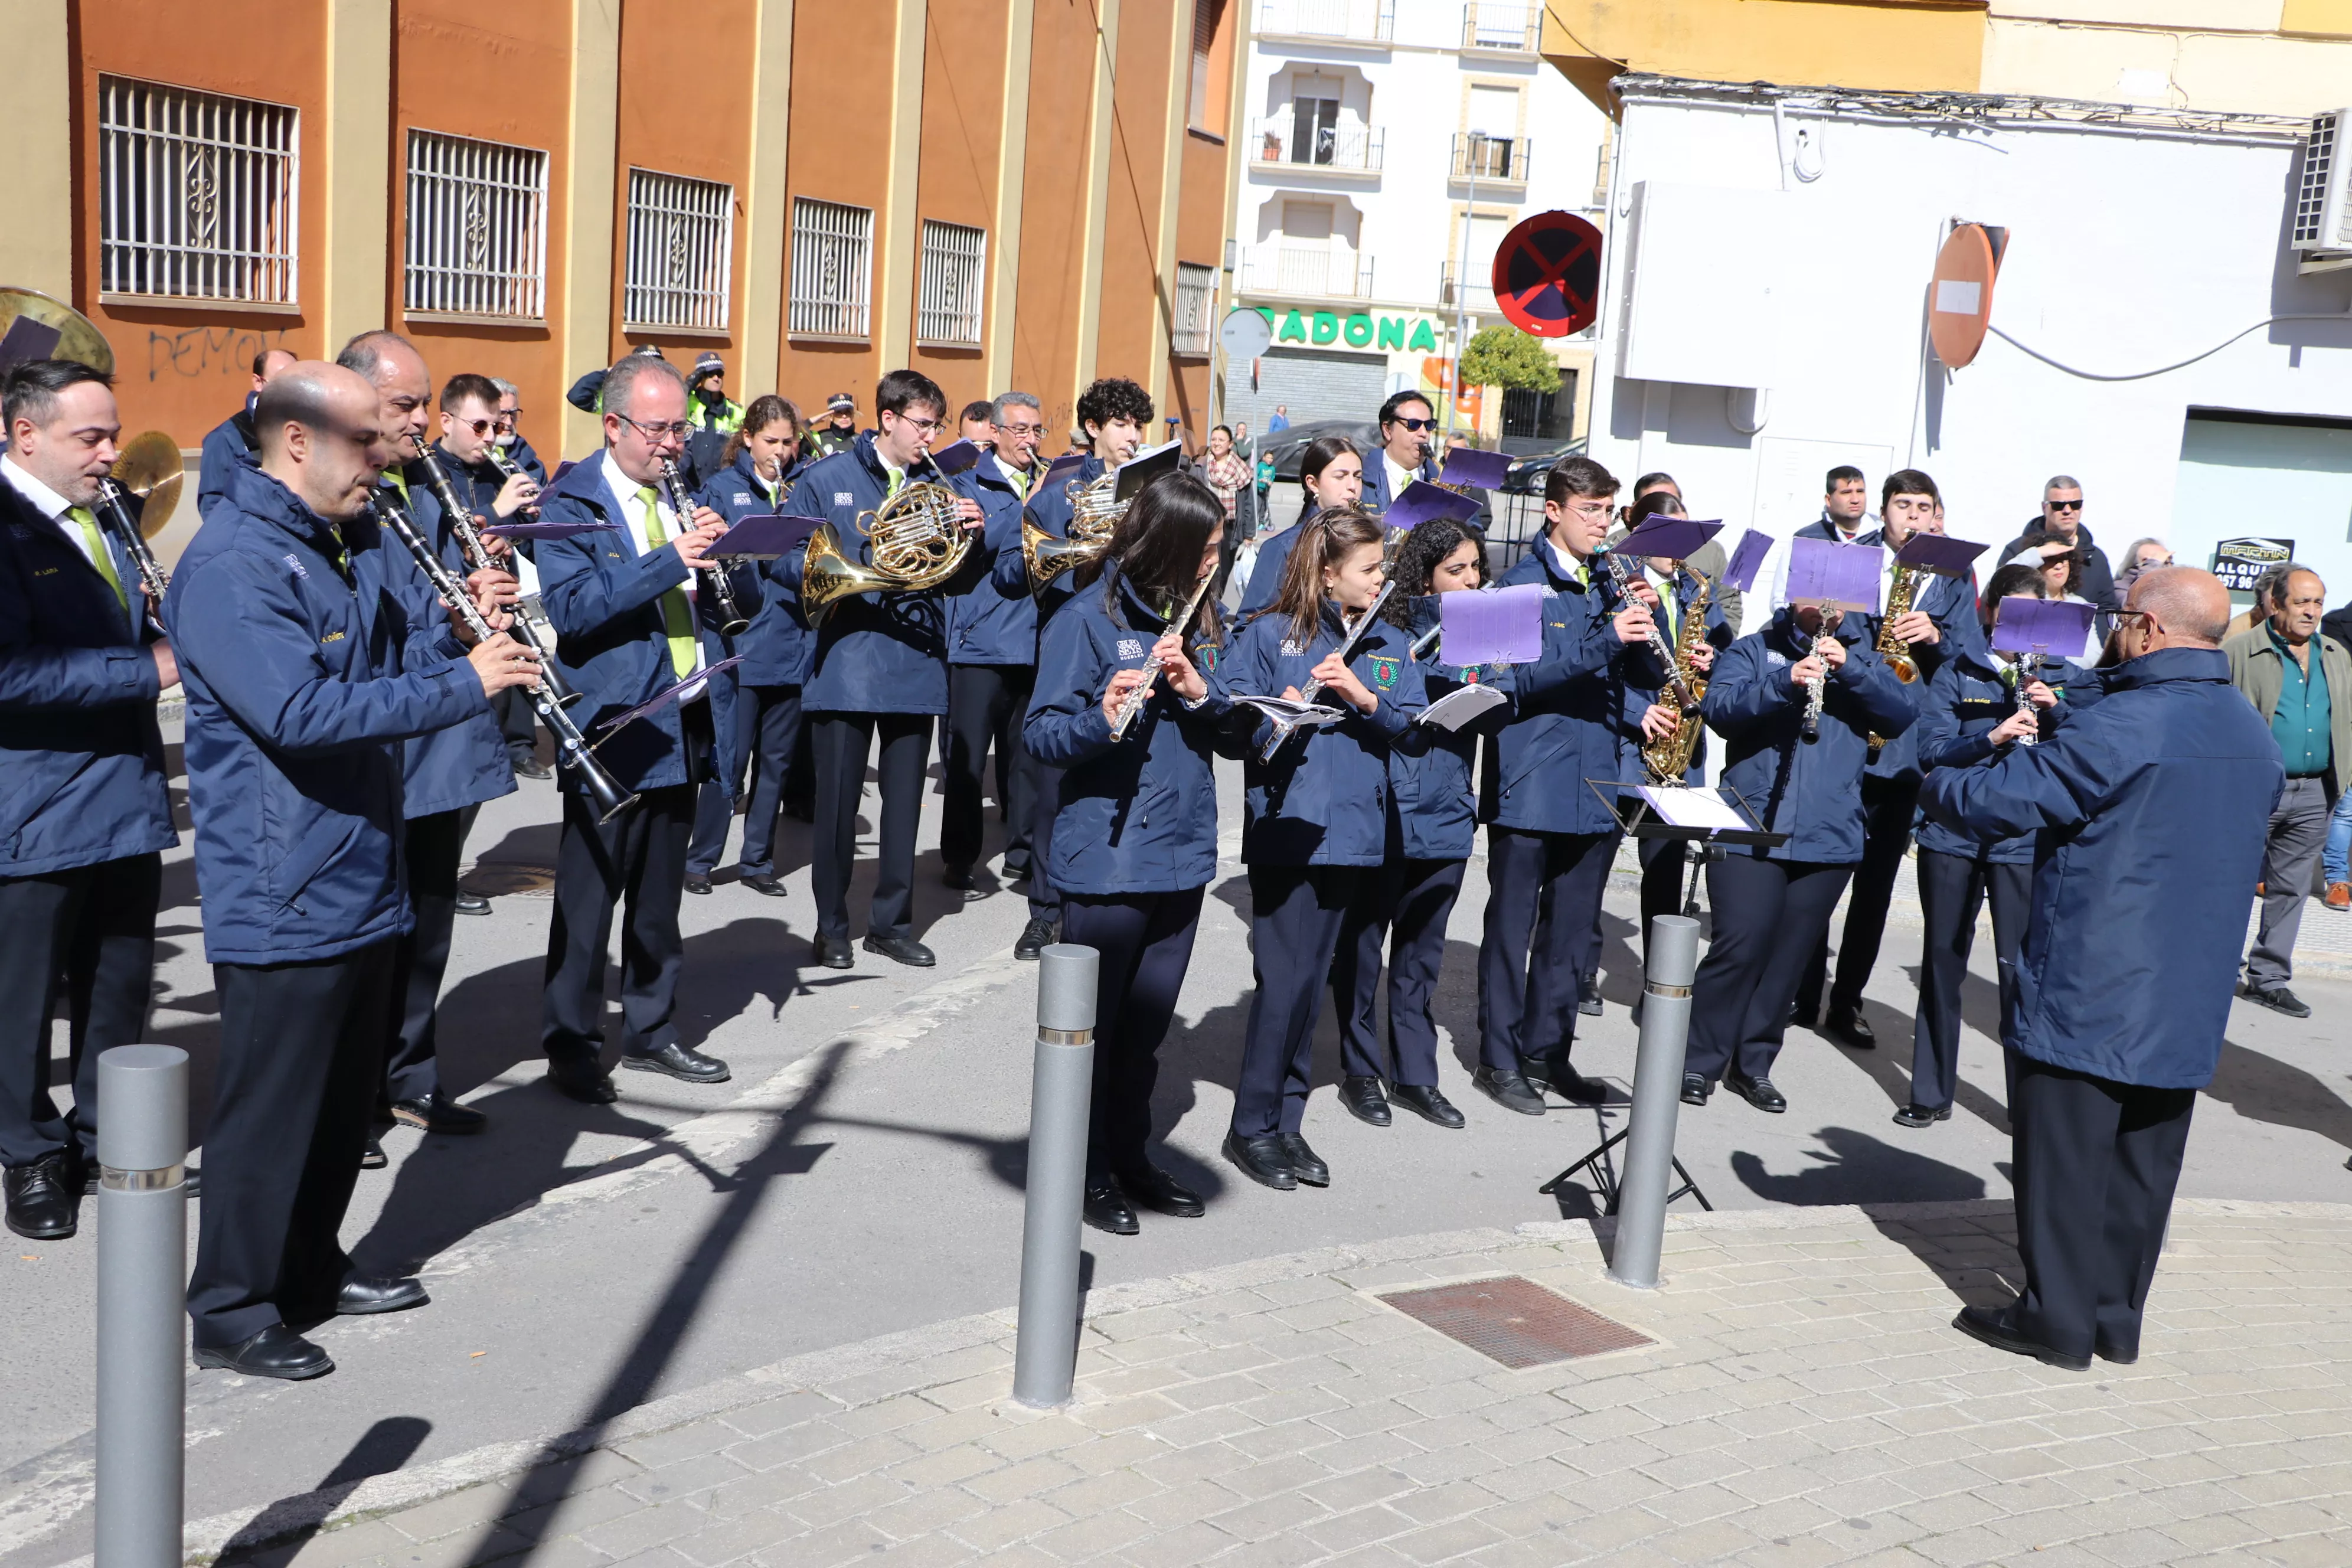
[
  {"x": 258, "y": 495},
  {"x": 871, "y": 456},
  {"x": 585, "y": 483},
  {"x": 2166, "y": 665}
]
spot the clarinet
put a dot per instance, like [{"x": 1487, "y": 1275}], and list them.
[
  {"x": 732, "y": 620},
  {"x": 1817, "y": 686},
  {"x": 1314, "y": 688},
  {"x": 111, "y": 507},
  {"x": 1620, "y": 573},
  {"x": 611, "y": 799},
  {"x": 1131, "y": 705},
  {"x": 2029, "y": 670},
  {"x": 478, "y": 556}
]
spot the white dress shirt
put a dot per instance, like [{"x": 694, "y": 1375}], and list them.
[
  {"x": 1397, "y": 477},
  {"x": 630, "y": 507},
  {"x": 51, "y": 505}
]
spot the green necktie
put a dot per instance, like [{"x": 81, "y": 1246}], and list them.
[
  {"x": 1669, "y": 606},
  {"x": 897, "y": 477},
  {"x": 98, "y": 554},
  {"x": 1020, "y": 483},
  {"x": 677, "y": 616}
]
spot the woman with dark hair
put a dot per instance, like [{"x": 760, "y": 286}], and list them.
[
  {"x": 1331, "y": 473},
  {"x": 1321, "y": 823},
  {"x": 1134, "y": 839},
  {"x": 2060, "y": 562}
]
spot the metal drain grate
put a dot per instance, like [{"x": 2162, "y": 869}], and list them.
[
  {"x": 1516, "y": 1322},
  {"x": 508, "y": 879}
]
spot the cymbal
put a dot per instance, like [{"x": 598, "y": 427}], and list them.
[
  {"x": 149, "y": 466},
  {"x": 77, "y": 337}
]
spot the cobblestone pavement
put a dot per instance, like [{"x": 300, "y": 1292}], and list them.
[{"x": 1805, "y": 1403}]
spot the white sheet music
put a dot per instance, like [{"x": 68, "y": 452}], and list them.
[
  {"x": 1286, "y": 708},
  {"x": 1459, "y": 706},
  {"x": 1684, "y": 807}
]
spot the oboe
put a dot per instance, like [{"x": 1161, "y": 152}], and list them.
[
  {"x": 611, "y": 799},
  {"x": 2029, "y": 670},
  {"x": 1314, "y": 688},
  {"x": 1817, "y": 685},
  {"x": 1132, "y": 704},
  {"x": 111, "y": 507},
  {"x": 1622, "y": 574},
  {"x": 478, "y": 556},
  {"x": 732, "y": 620}
]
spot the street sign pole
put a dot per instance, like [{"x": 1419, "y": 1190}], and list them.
[{"x": 1462, "y": 282}]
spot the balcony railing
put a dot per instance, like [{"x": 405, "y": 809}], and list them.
[
  {"x": 1356, "y": 21},
  {"x": 1308, "y": 270},
  {"x": 1513, "y": 29},
  {"x": 1500, "y": 159},
  {"x": 1349, "y": 149}
]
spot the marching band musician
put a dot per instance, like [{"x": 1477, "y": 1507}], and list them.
[
  {"x": 1407, "y": 424},
  {"x": 759, "y": 468},
  {"x": 1771, "y": 905},
  {"x": 1330, "y": 474},
  {"x": 82, "y": 797},
  {"x": 1321, "y": 821},
  {"x": 632, "y": 622},
  {"x": 304, "y": 674},
  {"x": 446, "y": 775},
  {"x": 231, "y": 444},
  {"x": 1113, "y": 412},
  {"x": 470, "y": 430},
  {"x": 1135, "y": 843},
  {"x": 511, "y": 440},
  {"x": 880, "y": 668}
]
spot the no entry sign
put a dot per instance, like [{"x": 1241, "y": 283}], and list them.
[{"x": 1548, "y": 275}]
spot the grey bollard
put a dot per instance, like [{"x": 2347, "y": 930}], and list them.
[
  {"x": 1657, "y": 1102},
  {"x": 142, "y": 1311},
  {"x": 1061, "y": 1098}
]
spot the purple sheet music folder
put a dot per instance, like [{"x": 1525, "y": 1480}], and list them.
[
  {"x": 1940, "y": 552},
  {"x": 2026, "y": 625},
  {"x": 664, "y": 698},
  {"x": 763, "y": 538},
  {"x": 1669, "y": 538},
  {"x": 1469, "y": 465},
  {"x": 1421, "y": 501},
  {"x": 1503, "y": 626},
  {"x": 1840, "y": 576},
  {"x": 1747, "y": 559}
]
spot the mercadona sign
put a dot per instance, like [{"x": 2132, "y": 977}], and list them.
[{"x": 1403, "y": 334}]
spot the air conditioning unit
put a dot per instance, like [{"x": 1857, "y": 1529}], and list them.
[{"x": 2322, "y": 234}]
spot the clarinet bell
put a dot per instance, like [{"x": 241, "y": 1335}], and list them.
[{"x": 605, "y": 791}]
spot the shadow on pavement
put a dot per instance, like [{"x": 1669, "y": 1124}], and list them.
[
  {"x": 2265, "y": 1089},
  {"x": 382, "y": 1449},
  {"x": 1855, "y": 1168}
]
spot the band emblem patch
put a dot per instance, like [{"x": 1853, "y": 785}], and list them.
[{"x": 1384, "y": 672}]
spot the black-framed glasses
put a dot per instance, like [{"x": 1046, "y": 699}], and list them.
[
  {"x": 927, "y": 426},
  {"x": 2074, "y": 505},
  {"x": 1415, "y": 426},
  {"x": 656, "y": 431}
]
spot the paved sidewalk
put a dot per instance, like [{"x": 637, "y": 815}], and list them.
[{"x": 1805, "y": 1403}]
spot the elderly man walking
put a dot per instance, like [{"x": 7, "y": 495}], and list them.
[
  {"x": 2300, "y": 680},
  {"x": 2149, "y": 805}
]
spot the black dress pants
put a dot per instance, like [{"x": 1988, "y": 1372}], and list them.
[
  {"x": 1952, "y": 889},
  {"x": 436, "y": 844},
  {"x": 517, "y": 722},
  {"x": 767, "y": 728},
  {"x": 1296, "y": 915},
  {"x": 2096, "y": 1164},
  {"x": 1888, "y": 807},
  {"x": 93, "y": 927},
  {"x": 301, "y": 1057},
  {"x": 1412, "y": 903},
  {"x": 841, "y": 742},
  {"x": 1144, "y": 941},
  {"x": 1769, "y": 915},
  {"x": 987, "y": 704},
  {"x": 1045, "y": 902},
  {"x": 1542, "y": 936},
  {"x": 1665, "y": 862}
]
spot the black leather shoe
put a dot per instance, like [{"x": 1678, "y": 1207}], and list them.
[
  {"x": 903, "y": 950},
  {"x": 765, "y": 884},
  {"x": 1564, "y": 1080},
  {"x": 1036, "y": 938},
  {"x": 1997, "y": 1326},
  {"x": 584, "y": 1081},
  {"x": 364, "y": 1295},
  {"x": 1156, "y": 1189},
  {"x": 276, "y": 1351},
  {"x": 44, "y": 1199},
  {"x": 1426, "y": 1102},
  {"x": 833, "y": 952},
  {"x": 1800, "y": 1016},
  {"x": 1588, "y": 1004},
  {"x": 1106, "y": 1209},
  {"x": 1917, "y": 1115},
  {"x": 678, "y": 1062},
  {"x": 960, "y": 880},
  {"x": 2107, "y": 1349},
  {"x": 1508, "y": 1089},
  {"x": 2278, "y": 999},
  {"x": 1757, "y": 1092},
  {"x": 1848, "y": 1027},
  {"x": 1262, "y": 1161},
  {"x": 1305, "y": 1163},
  {"x": 472, "y": 904},
  {"x": 438, "y": 1114},
  {"x": 372, "y": 1158},
  {"x": 695, "y": 884},
  {"x": 1361, "y": 1096},
  {"x": 1696, "y": 1089},
  {"x": 532, "y": 768}
]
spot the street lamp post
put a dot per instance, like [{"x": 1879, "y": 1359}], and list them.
[{"x": 1462, "y": 280}]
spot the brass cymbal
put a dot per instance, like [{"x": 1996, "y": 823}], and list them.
[
  {"x": 149, "y": 466},
  {"x": 77, "y": 337}
]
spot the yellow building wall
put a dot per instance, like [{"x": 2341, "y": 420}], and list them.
[
  {"x": 2259, "y": 73},
  {"x": 1906, "y": 45}
]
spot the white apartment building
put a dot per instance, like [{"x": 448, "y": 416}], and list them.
[{"x": 1384, "y": 142}]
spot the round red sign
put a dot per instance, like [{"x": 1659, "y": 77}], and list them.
[{"x": 1548, "y": 275}]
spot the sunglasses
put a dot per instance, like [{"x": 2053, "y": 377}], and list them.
[
  {"x": 1416, "y": 426},
  {"x": 2074, "y": 505},
  {"x": 479, "y": 426}
]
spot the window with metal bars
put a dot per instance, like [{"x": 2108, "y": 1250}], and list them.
[
  {"x": 833, "y": 256},
  {"x": 477, "y": 229},
  {"x": 197, "y": 195},
  {"x": 1196, "y": 299},
  {"x": 954, "y": 265},
  {"x": 681, "y": 247}
]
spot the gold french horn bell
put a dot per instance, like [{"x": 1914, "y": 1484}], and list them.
[
  {"x": 149, "y": 466},
  {"x": 78, "y": 338}
]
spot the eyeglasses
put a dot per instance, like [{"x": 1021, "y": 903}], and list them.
[
  {"x": 2074, "y": 505},
  {"x": 507, "y": 418},
  {"x": 656, "y": 431},
  {"x": 1025, "y": 429},
  {"x": 479, "y": 426},
  {"x": 928, "y": 426},
  {"x": 1416, "y": 424}
]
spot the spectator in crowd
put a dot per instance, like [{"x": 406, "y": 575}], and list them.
[
  {"x": 2062, "y": 562},
  {"x": 837, "y": 428},
  {"x": 977, "y": 424},
  {"x": 2141, "y": 555},
  {"x": 2061, "y": 518},
  {"x": 2300, "y": 680},
  {"x": 1225, "y": 470},
  {"x": 1281, "y": 420},
  {"x": 2265, "y": 591}
]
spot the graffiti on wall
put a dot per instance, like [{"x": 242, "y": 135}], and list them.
[{"x": 197, "y": 352}]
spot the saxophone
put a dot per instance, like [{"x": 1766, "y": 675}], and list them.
[
  {"x": 1892, "y": 649},
  {"x": 1670, "y": 759}
]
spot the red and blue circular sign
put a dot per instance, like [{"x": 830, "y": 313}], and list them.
[{"x": 1548, "y": 275}]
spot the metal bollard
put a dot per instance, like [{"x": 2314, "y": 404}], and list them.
[
  {"x": 1657, "y": 1101},
  {"x": 142, "y": 1311},
  {"x": 1061, "y": 1098}
]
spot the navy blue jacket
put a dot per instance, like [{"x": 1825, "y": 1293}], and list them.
[
  {"x": 1810, "y": 790},
  {"x": 301, "y": 683},
  {"x": 1964, "y": 703},
  {"x": 604, "y": 601},
  {"x": 1577, "y": 715},
  {"x": 991, "y": 619},
  {"x": 776, "y": 646},
  {"x": 1436, "y": 798},
  {"x": 876, "y": 653},
  {"x": 520, "y": 454},
  {"x": 1139, "y": 816},
  {"x": 228, "y": 446},
  {"x": 1050, "y": 509},
  {"x": 466, "y": 763},
  {"x": 2150, "y": 812},
  {"x": 1324, "y": 800},
  {"x": 1265, "y": 572},
  {"x": 1376, "y": 498},
  {"x": 81, "y": 760}
]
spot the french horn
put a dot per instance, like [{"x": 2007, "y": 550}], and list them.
[{"x": 918, "y": 541}]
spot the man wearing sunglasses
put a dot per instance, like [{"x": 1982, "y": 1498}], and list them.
[
  {"x": 2062, "y": 516},
  {"x": 471, "y": 429},
  {"x": 1407, "y": 432}
]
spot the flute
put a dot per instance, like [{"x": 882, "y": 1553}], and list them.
[
  {"x": 2029, "y": 670},
  {"x": 1132, "y": 703},
  {"x": 1314, "y": 688}
]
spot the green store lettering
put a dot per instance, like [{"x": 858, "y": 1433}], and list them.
[{"x": 1399, "y": 333}]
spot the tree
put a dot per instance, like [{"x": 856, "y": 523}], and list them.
[{"x": 1507, "y": 357}]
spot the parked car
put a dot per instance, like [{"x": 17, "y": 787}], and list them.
[
  {"x": 1524, "y": 477},
  {"x": 1289, "y": 447}
]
